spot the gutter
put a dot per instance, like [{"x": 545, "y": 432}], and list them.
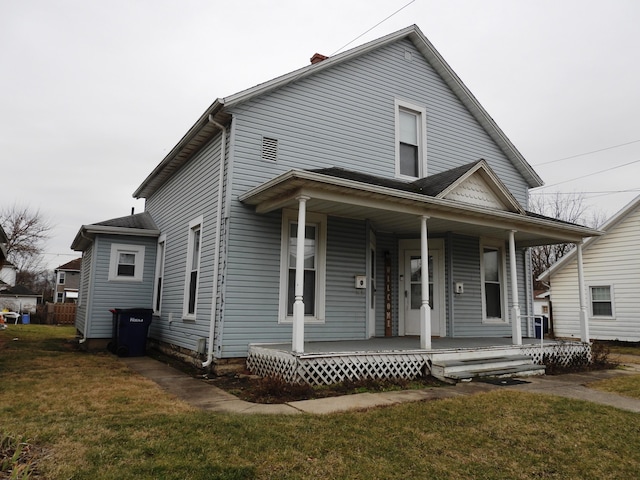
[{"x": 216, "y": 253}]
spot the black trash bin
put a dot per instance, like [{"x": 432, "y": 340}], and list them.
[
  {"x": 130, "y": 329},
  {"x": 541, "y": 325}
]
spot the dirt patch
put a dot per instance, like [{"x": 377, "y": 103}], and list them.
[{"x": 273, "y": 390}]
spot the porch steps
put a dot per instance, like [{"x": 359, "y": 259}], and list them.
[{"x": 467, "y": 369}]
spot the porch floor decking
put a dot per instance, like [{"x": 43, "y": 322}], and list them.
[{"x": 406, "y": 343}]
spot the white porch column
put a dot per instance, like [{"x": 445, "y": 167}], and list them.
[
  {"x": 297, "y": 342},
  {"x": 425, "y": 309},
  {"x": 584, "y": 318},
  {"x": 516, "y": 327}
]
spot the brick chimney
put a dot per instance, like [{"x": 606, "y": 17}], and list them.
[{"x": 317, "y": 58}]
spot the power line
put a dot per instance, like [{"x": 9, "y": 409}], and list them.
[
  {"x": 590, "y": 174},
  {"x": 586, "y": 153},
  {"x": 602, "y": 192},
  {"x": 377, "y": 24}
]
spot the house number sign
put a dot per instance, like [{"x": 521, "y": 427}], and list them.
[{"x": 387, "y": 295}]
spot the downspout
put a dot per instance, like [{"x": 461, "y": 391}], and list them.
[{"x": 216, "y": 252}]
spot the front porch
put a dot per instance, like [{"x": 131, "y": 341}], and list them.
[{"x": 324, "y": 363}]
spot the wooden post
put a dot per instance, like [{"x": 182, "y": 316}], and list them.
[
  {"x": 425, "y": 309},
  {"x": 516, "y": 328},
  {"x": 584, "y": 318},
  {"x": 297, "y": 341},
  {"x": 388, "y": 323}
]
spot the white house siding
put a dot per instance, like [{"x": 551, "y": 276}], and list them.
[
  {"x": 191, "y": 193},
  {"x": 84, "y": 289},
  {"x": 613, "y": 260},
  {"x": 106, "y": 295}
]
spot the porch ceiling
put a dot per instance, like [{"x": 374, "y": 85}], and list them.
[{"x": 397, "y": 211}]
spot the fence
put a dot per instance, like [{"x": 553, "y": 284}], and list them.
[{"x": 60, "y": 313}]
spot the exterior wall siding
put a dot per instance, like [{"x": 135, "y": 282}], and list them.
[
  {"x": 117, "y": 294},
  {"x": 614, "y": 260},
  {"x": 190, "y": 193},
  {"x": 84, "y": 289}
]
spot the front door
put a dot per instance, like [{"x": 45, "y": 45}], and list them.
[{"x": 411, "y": 263}]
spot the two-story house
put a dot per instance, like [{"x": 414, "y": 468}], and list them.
[
  {"x": 349, "y": 218},
  {"x": 67, "y": 281}
]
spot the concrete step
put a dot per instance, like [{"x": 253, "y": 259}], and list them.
[{"x": 502, "y": 366}]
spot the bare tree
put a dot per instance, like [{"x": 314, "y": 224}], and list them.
[
  {"x": 568, "y": 208},
  {"x": 27, "y": 231}
]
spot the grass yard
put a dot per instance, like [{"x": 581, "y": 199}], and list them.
[{"x": 86, "y": 416}]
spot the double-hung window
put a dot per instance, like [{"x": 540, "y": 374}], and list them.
[
  {"x": 157, "y": 290},
  {"x": 601, "y": 301},
  {"x": 126, "y": 262},
  {"x": 193, "y": 269},
  {"x": 411, "y": 140},
  {"x": 314, "y": 266},
  {"x": 492, "y": 272}
]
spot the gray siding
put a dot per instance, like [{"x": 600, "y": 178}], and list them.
[
  {"x": 84, "y": 289},
  {"x": 117, "y": 294},
  {"x": 252, "y": 286},
  {"x": 190, "y": 193}
]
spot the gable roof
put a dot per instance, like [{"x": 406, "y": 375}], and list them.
[
  {"x": 72, "y": 265},
  {"x": 394, "y": 204},
  {"x": 609, "y": 225},
  {"x": 208, "y": 123},
  {"x": 140, "y": 224}
]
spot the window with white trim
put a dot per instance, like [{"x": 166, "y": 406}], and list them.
[
  {"x": 126, "y": 262},
  {"x": 492, "y": 271},
  {"x": 193, "y": 269},
  {"x": 411, "y": 140},
  {"x": 61, "y": 278},
  {"x": 601, "y": 301},
  {"x": 157, "y": 288},
  {"x": 314, "y": 266}
]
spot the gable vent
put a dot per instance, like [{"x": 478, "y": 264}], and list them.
[{"x": 269, "y": 149}]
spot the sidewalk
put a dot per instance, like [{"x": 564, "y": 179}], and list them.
[{"x": 209, "y": 397}]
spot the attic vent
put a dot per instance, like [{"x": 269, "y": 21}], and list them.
[{"x": 269, "y": 149}]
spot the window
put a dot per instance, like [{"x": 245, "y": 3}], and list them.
[
  {"x": 193, "y": 268},
  {"x": 126, "y": 262},
  {"x": 492, "y": 271},
  {"x": 314, "y": 266},
  {"x": 59, "y": 297},
  {"x": 601, "y": 301},
  {"x": 61, "y": 278},
  {"x": 157, "y": 291},
  {"x": 411, "y": 140}
]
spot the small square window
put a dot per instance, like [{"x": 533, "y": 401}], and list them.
[{"x": 126, "y": 263}]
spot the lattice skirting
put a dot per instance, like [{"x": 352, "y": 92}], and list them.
[
  {"x": 562, "y": 354},
  {"x": 326, "y": 369},
  {"x": 319, "y": 369}
]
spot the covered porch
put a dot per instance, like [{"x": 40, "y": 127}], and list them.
[
  {"x": 466, "y": 202},
  {"x": 323, "y": 363}
]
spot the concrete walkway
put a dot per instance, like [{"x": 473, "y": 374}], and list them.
[{"x": 209, "y": 397}]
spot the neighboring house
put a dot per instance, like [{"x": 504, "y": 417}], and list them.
[
  {"x": 611, "y": 266},
  {"x": 541, "y": 302},
  {"x": 384, "y": 162},
  {"x": 3, "y": 248},
  {"x": 67, "y": 281},
  {"x": 18, "y": 299},
  {"x": 8, "y": 273}
]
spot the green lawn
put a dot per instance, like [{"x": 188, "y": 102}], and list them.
[{"x": 89, "y": 417}]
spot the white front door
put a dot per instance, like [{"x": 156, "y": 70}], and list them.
[{"x": 411, "y": 293}]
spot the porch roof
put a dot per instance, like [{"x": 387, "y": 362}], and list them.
[{"x": 396, "y": 206}]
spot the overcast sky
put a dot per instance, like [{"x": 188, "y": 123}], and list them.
[{"x": 94, "y": 94}]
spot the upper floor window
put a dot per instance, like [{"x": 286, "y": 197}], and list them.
[
  {"x": 193, "y": 268},
  {"x": 61, "y": 278},
  {"x": 411, "y": 140},
  {"x": 126, "y": 262}
]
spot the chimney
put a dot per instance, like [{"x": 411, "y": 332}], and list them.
[{"x": 317, "y": 58}]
